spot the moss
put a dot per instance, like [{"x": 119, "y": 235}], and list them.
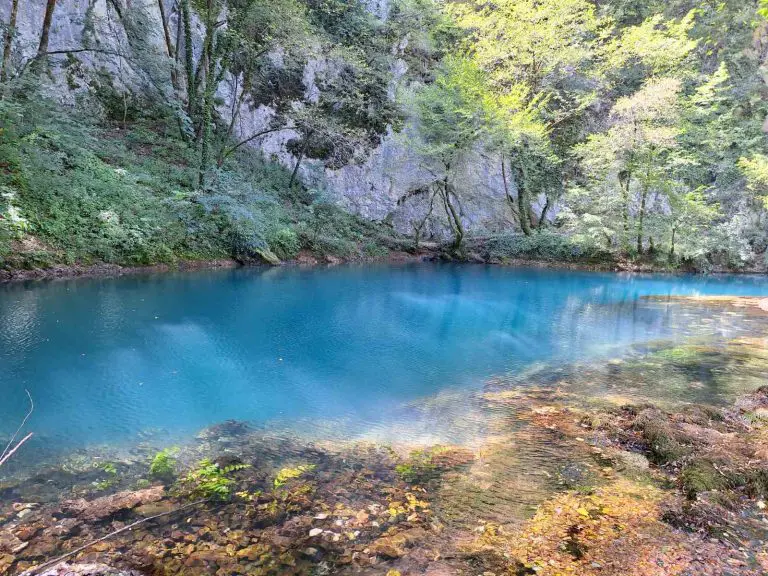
[
  {"x": 702, "y": 476},
  {"x": 756, "y": 483},
  {"x": 702, "y": 415},
  {"x": 424, "y": 465},
  {"x": 416, "y": 472},
  {"x": 663, "y": 443}
]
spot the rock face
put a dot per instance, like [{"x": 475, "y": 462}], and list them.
[{"x": 378, "y": 189}]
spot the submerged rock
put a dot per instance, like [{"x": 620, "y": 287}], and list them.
[
  {"x": 106, "y": 506},
  {"x": 9, "y": 543},
  {"x": 395, "y": 546},
  {"x": 66, "y": 569}
]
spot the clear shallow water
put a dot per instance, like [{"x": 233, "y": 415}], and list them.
[{"x": 108, "y": 359}]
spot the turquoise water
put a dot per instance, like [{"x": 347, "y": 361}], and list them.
[{"x": 108, "y": 359}]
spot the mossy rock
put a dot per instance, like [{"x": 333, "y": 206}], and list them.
[
  {"x": 268, "y": 256},
  {"x": 757, "y": 482},
  {"x": 703, "y": 476},
  {"x": 663, "y": 442}
]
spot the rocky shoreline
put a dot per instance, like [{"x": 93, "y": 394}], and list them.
[{"x": 304, "y": 259}]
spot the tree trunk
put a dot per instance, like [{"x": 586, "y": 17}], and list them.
[
  {"x": 523, "y": 203},
  {"x": 179, "y": 33},
  {"x": 49, "y": 8},
  {"x": 189, "y": 65},
  {"x": 210, "y": 88},
  {"x": 509, "y": 197},
  {"x": 418, "y": 227},
  {"x": 166, "y": 31},
  {"x": 453, "y": 216},
  {"x": 205, "y": 132},
  {"x": 168, "y": 44},
  {"x": 300, "y": 157},
  {"x": 237, "y": 104},
  {"x": 625, "y": 179},
  {"x": 641, "y": 219},
  {"x": 9, "y": 34},
  {"x": 672, "y": 245},
  {"x": 543, "y": 217}
]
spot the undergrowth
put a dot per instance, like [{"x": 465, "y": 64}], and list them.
[
  {"x": 79, "y": 190},
  {"x": 544, "y": 245}
]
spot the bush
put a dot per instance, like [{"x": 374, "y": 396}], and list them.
[
  {"x": 284, "y": 242},
  {"x": 545, "y": 245},
  {"x": 127, "y": 194},
  {"x": 373, "y": 250}
]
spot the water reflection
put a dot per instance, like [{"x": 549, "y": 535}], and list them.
[{"x": 107, "y": 360}]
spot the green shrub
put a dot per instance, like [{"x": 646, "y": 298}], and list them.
[
  {"x": 545, "y": 245},
  {"x": 373, "y": 250},
  {"x": 126, "y": 193},
  {"x": 285, "y": 243}
]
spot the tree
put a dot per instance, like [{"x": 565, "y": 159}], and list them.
[
  {"x": 42, "y": 48},
  {"x": 655, "y": 47},
  {"x": 634, "y": 152},
  {"x": 691, "y": 218},
  {"x": 262, "y": 27},
  {"x": 451, "y": 121},
  {"x": 239, "y": 39},
  {"x": 10, "y": 32},
  {"x": 538, "y": 57}
]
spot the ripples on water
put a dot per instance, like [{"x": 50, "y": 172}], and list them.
[{"x": 386, "y": 354}]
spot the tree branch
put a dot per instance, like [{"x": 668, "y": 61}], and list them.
[
  {"x": 251, "y": 138},
  {"x": 8, "y": 452},
  {"x": 38, "y": 569}
]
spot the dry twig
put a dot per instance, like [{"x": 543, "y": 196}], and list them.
[{"x": 10, "y": 448}]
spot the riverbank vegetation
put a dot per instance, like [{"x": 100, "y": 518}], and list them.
[{"x": 608, "y": 132}]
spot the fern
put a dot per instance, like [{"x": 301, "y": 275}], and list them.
[{"x": 209, "y": 480}]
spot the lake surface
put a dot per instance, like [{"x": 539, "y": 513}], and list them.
[{"x": 107, "y": 360}]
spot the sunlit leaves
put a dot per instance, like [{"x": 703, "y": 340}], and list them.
[
  {"x": 450, "y": 111},
  {"x": 660, "y": 46},
  {"x": 527, "y": 40},
  {"x": 755, "y": 170}
]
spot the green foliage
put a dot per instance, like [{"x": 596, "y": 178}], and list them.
[
  {"x": 287, "y": 474},
  {"x": 755, "y": 170},
  {"x": 547, "y": 246},
  {"x": 90, "y": 193},
  {"x": 111, "y": 471},
  {"x": 639, "y": 123},
  {"x": 284, "y": 242},
  {"x": 163, "y": 465},
  {"x": 424, "y": 465},
  {"x": 325, "y": 228},
  {"x": 209, "y": 480}
]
